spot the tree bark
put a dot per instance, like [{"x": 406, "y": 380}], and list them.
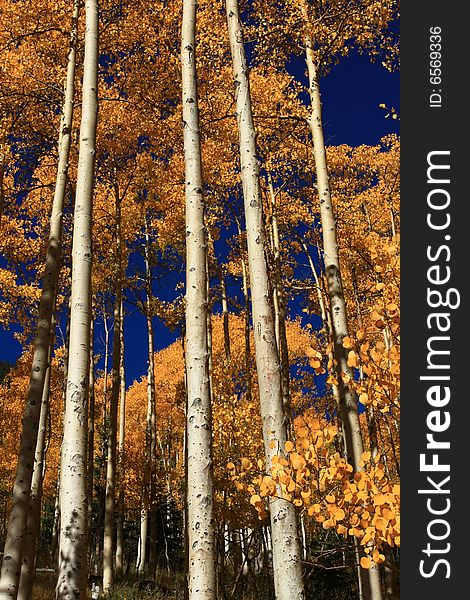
[
  {"x": 347, "y": 395},
  {"x": 246, "y": 315},
  {"x": 2, "y": 176},
  {"x": 285, "y": 535},
  {"x": 73, "y": 497},
  {"x": 225, "y": 317},
  {"x": 200, "y": 525},
  {"x": 13, "y": 549},
  {"x": 56, "y": 522},
  {"x": 91, "y": 437},
  {"x": 151, "y": 440},
  {"x": 122, "y": 423},
  {"x": 33, "y": 522},
  {"x": 109, "y": 512},
  {"x": 281, "y": 308}
]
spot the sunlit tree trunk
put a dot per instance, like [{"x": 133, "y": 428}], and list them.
[
  {"x": 122, "y": 422},
  {"x": 142, "y": 556},
  {"x": 149, "y": 521},
  {"x": 246, "y": 314},
  {"x": 109, "y": 545},
  {"x": 34, "y": 513},
  {"x": 285, "y": 535},
  {"x": 327, "y": 324},
  {"x": 13, "y": 549},
  {"x": 2, "y": 178},
  {"x": 101, "y": 490},
  {"x": 73, "y": 496},
  {"x": 347, "y": 395},
  {"x": 105, "y": 372},
  {"x": 225, "y": 317},
  {"x": 55, "y": 523},
  {"x": 91, "y": 436},
  {"x": 200, "y": 522},
  {"x": 281, "y": 308},
  {"x": 209, "y": 322}
]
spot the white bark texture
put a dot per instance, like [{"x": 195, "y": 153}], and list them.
[
  {"x": 347, "y": 395},
  {"x": 142, "y": 550},
  {"x": 150, "y": 419},
  {"x": 148, "y": 492},
  {"x": 285, "y": 534},
  {"x": 280, "y": 306},
  {"x": 2, "y": 175},
  {"x": 109, "y": 542},
  {"x": 71, "y": 581},
  {"x": 348, "y": 403},
  {"x": 14, "y": 540},
  {"x": 200, "y": 527},
  {"x": 91, "y": 435},
  {"x": 122, "y": 423},
  {"x": 34, "y": 513},
  {"x": 109, "y": 539}
]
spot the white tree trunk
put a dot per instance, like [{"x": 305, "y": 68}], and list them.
[
  {"x": 348, "y": 399},
  {"x": 91, "y": 435},
  {"x": 73, "y": 497},
  {"x": 34, "y": 513},
  {"x": 56, "y": 521},
  {"x": 13, "y": 550},
  {"x": 279, "y": 301},
  {"x": 122, "y": 422},
  {"x": 109, "y": 544},
  {"x": 225, "y": 316},
  {"x": 2, "y": 175},
  {"x": 200, "y": 527},
  {"x": 142, "y": 553},
  {"x": 347, "y": 395},
  {"x": 285, "y": 535},
  {"x": 151, "y": 433}
]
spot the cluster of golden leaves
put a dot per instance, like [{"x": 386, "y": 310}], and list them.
[{"x": 322, "y": 484}]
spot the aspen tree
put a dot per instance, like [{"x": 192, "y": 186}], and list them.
[
  {"x": 2, "y": 178},
  {"x": 200, "y": 519},
  {"x": 224, "y": 301},
  {"x": 347, "y": 397},
  {"x": 246, "y": 301},
  {"x": 13, "y": 549},
  {"x": 122, "y": 424},
  {"x": 279, "y": 297},
  {"x": 73, "y": 497},
  {"x": 150, "y": 431},
  {"x": 91, "y": 435},
  {"x": 33, "y": 523},
  {"x": 109, "y": 513},
  {"x": 285, "y": 536}
]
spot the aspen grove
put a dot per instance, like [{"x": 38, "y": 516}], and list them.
[{"x": 199, "y": 302}]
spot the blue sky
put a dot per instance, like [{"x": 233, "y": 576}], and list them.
[{"x": 351, "y": 94}]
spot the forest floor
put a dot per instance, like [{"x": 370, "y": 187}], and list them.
[{"x": 168, "y": 586}]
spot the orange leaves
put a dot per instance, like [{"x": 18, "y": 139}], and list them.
[
  {"x": 315, "y": 360},
  {"x": 319, "y": 481},
  {"x": 246, "y": 464},
  {"x": 352, "y": 359},
  {"x": 379, "y": 499}
]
